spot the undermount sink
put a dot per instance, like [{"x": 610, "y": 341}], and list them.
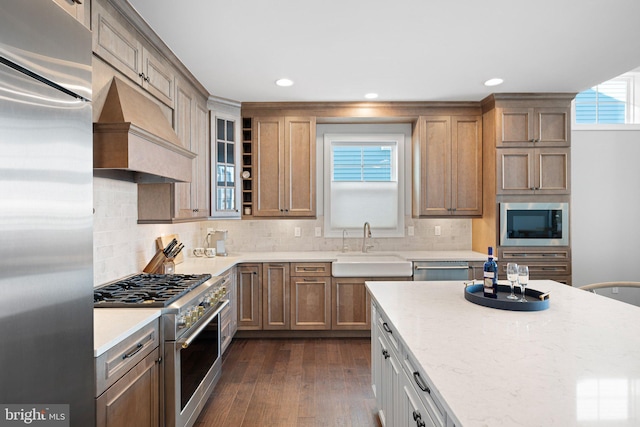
[{"x": 371, "y": 265}]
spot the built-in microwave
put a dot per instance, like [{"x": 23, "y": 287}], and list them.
[{"x": 534, "y": 224}]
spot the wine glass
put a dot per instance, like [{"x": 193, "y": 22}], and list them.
[
  {"x": 512, "y": 277},
  {"x": 523, "y": 280}
]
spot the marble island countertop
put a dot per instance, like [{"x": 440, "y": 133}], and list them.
[{"x": 576, "y": 363}]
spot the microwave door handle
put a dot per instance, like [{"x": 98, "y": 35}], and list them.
[{"x": 184, "y": 343}]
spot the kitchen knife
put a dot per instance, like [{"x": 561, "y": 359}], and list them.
[
  {"x": 170, "y": 247},
  {"x": 176, "y": 251}
]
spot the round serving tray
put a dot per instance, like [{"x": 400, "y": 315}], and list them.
[{"x": 536, "y": 300}]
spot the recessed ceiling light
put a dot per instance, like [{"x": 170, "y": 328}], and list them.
[
  {"x": 284, "y": 82},
  {"x": 371, "y": 95},
  {"x": 493, "y": 82}
]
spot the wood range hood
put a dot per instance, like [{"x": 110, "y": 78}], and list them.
[{"x": 133, "y": 139}]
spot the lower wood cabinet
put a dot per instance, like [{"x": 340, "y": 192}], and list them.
[
  {"x": 249, "y": 294},
  {"x": 276, "y": 313},
  {"x": 545, "y": 263},
  {"x": 127, "y": 381},
  {"x": 302, "y": 296},
  {"x": 134, "y": 399},
  {"x": 311, "y": 296},
  {"x": 351, "y": 303}
]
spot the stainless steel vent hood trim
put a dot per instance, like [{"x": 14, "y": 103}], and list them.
[{"x": 132, "y": 134}]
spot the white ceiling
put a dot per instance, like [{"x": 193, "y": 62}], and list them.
[{"x": 405, "y": 50}]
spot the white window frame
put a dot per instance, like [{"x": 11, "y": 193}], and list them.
[
  {"x": 632, "y": 111},
  {"x": 362, "y": 215}
]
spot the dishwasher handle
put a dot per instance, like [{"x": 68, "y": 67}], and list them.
[{"x": 442, "y": 267}]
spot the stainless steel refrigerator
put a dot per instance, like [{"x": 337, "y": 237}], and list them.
[{"x": 46, "y": 204}]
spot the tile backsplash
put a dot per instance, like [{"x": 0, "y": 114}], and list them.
[{"x": 121, "y": 246}]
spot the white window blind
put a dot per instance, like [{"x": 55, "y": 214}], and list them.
[
  {"x": 362, "y": 183},
  {"x": 606, "y": 103}
]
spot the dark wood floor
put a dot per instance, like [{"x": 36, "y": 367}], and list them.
[{"x": 293, "y": 382}]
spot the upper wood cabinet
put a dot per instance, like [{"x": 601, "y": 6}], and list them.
[
  {"x": 192, "y": 126},
  {"x": 539, "y": 126},
  {"x": 120, "y": 45},
  {"x": 226, "y": 161},
  {"x": 536, "y": 171},
  {"x": 284, "y": 167},
  {"x": 447, "y": 161}
]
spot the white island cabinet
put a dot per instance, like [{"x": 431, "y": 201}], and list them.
[{"x": 440, "y": 360}]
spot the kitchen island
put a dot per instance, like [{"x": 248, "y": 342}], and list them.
[{"x": 576, "y": 363}]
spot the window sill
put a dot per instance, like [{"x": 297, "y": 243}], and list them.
[{"x": 607, "y": 127}]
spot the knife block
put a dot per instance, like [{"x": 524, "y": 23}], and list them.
[{"x": 155, "y": 265}]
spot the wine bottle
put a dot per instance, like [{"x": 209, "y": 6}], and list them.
[{"x": 490, "y": 285}]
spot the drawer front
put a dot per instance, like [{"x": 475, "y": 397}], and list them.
[
  {"x": 386, "y": 330},
  {"x": 311, "y": 269},
  {"x": 425, "y": 391},
  {"x": 119, "y": 359},
  {"x": 540, "y": 269},
  {"x": 524, "y": 255}
]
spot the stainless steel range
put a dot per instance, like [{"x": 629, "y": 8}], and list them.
[{"x": 191, "y": 307}]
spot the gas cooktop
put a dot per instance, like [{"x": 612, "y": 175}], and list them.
[{"x": 148, "y": 290}]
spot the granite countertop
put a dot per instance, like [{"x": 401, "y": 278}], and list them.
[
  {"x": 576, "y": 363},
  {"x": 112, "y": 325}
]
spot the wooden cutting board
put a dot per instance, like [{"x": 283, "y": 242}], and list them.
[{"x": 163, "y": 241}]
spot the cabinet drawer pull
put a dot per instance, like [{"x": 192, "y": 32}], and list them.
[
  {"x": 133, "y": 352},
  {"x": 387, "y": 328},
  {"x": 420, "y": 382}
]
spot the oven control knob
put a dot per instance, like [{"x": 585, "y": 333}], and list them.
[
  {"x": 200, "y": 311},
  {"x": 182, "y": 323}
]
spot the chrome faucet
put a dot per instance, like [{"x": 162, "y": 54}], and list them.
[
  {"x": 366, "y": 234},
  {"x": 345, "y": 248}
]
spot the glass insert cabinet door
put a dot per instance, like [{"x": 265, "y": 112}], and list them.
[{"x": 225, "y": 179}]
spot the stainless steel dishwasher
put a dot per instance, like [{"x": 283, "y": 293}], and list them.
[{"x": 440, "y": 270}]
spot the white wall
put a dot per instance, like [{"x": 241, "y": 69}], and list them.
[{"x": 605, "y": 206}]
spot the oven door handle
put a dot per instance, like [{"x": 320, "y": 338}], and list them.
[{"x": 184, "y": 343}]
